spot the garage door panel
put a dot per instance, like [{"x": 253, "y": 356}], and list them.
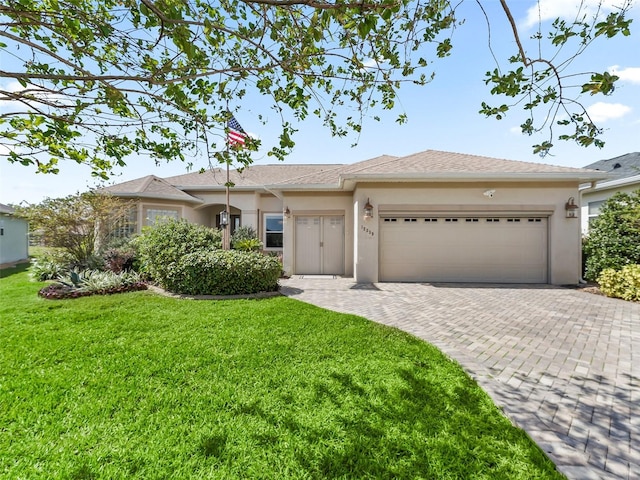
[{"x": 464, "y": 250}]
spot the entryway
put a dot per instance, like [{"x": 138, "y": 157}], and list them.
[{"x": 319, "y": 245}]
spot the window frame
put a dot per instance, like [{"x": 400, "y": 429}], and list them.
[
  {"x": 597, "y": 205},
  {"x": 266, "y": 232},
  {"x": 162, "y": 208}
]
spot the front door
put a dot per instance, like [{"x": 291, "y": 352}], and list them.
[{"x": 319, "y": 245}]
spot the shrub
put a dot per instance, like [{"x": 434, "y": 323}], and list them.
[
  {"x": 241, "y": 234},
  {"x": 48, "y": 267},
  {"x": 225, "y": 272},
  {"x": 160, "y": 248},
  {"x": 248, "y": 245},
  {"x": 614, "y": 237},
  {"x": 91, "y": 282},
  {"x": 623, "y": 283}
]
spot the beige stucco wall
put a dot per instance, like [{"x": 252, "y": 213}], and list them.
[
  {"x": 548, "y": 199},
  {"x": 251, "y": 205},
  {"x": 318, "y": 203}
]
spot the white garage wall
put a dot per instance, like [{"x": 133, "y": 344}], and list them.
[{"x": 14, "y": 241}]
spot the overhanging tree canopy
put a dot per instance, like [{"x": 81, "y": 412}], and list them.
[{"x": 100, "y": 80}]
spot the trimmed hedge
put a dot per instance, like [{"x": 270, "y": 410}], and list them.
[
  {"x": 623, "y": 283},
  {"x": 224, "y": 272}
]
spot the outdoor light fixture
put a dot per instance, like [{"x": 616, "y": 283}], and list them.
[
  {"x": 224, "y": 218},
  {"x": 287, "y": 212},
  {"x": 571, "y": 208},
  {"x": 368, "y": 210}
]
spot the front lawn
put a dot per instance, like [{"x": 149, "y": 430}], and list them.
[{"x": 140, "y": 386}]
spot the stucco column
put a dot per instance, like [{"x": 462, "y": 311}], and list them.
[{"x": 366, "y": 242}]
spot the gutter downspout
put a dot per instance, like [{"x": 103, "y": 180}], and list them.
[{"x": 581, "y": 280}]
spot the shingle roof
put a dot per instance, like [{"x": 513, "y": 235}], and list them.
[
  {"x": 619, "y": 167},
  {"x": 432, "y": 164},
  {"x": 149, "y": 187},
  {"x": 422, "y": 166},
  {"x": 7, "y": 209},
  {"x": 252, "y": 176}
]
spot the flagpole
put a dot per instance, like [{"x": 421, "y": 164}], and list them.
[{"x": 226, "y": 237}]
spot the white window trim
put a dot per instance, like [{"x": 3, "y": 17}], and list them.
[
  {"x": 264, "y": 231},
  {"x": 147, "y": 207}
]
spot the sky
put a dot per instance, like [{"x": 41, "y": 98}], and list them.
[{"x": 441, "y": 116}]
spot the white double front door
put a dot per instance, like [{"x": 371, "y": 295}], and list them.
[{"x": 319, "y": 245}]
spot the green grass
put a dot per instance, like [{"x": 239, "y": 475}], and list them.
[{"x": 141, "y": 386}]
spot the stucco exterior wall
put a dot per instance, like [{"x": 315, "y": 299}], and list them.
[
  {"x": 246, "y": 203},
  {"x": 250, "y": 205},
  {"x": 317, "y": 203},
  {"x": 548, "y": 200},
  {"x": 14, "y": 239}
]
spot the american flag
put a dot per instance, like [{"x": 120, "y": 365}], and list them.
[{"x": 236, "y": 135}]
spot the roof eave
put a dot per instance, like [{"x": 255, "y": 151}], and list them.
[
  {"x": 475, "y": 176},
  {"x": 215, "y": 188},
  {"x": 156, "y": 197},
  {"x": 620, "y": 182},
  {"x": 304, "y": 187}
]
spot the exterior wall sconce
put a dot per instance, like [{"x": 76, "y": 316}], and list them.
[
  {"x": 571, "y": 208},
  {"x": 368, "y": 210},
  {"x": 287, "y": 212},
  {"x": 224, "y": 218}
]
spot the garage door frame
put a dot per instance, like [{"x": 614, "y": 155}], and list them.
[{"x": 505, "y": 214}]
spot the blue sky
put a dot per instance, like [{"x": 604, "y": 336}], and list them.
[{"x": 442, "y": 116}]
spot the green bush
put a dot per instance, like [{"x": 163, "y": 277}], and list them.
[
  {"x": 248, "y": 245},
  {"x": 614, "y": 237},
  {"x": 241, "y": 234},
  {"x": 76, "y": 284},
  {"x": 162, "y": 247},
  {"x": 49, "y": 267},
  {"x": 623, "y": 283},
  {"x": 225, "y": 272}
]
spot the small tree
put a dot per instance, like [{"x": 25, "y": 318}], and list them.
[
  {"x": 614, "y": 237},
  {"x": 79, "y": 223}
]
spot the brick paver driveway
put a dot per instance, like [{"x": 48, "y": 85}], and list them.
[{"x": 563, "y": 364}]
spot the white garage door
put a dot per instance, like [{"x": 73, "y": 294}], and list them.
[{"x": 463, "y": 249}]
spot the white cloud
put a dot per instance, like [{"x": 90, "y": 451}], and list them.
[
  {"x": 602, "y": 111},
  {"x": 629, "y": 74},
  {"x": 568, "y": 9}
]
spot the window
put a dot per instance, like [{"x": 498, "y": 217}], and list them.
[
  {"x": 594, "y": 209},
  {"x": 234, "y": 222},
  {"x": 273, "y": 230},
  {"x": 155, "y": 215},
  {"x": 125, "y": 227}
]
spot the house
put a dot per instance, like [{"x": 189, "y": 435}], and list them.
[
  {"x": 14, "y": 236},
  {"x": 429, "y": 217},
  {"x": 624, "y": 176}
]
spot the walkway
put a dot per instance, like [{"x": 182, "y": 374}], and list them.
[{"x": 563, "y": 364}]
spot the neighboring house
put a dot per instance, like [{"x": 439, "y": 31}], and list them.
[
  {"x": 623, "y": 176},
  {"x": 428, "y": 217},
  {"x": 14, "y": 236}
]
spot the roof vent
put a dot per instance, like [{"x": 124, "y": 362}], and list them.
[{"x": 617, "y": 165}]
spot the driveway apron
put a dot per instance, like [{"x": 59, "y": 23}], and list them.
[{"x": 563, "y": 364}]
